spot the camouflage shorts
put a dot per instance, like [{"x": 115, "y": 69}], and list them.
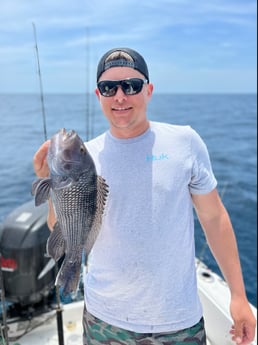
[{"x": 96, "y": 332}]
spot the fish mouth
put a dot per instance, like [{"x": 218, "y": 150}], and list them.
[
  {"x": 71, "y": 144},
  {"x": 65, "y": 155},
  {"x": 69, "y": 141},
  {"x": 67, "y": 135}
]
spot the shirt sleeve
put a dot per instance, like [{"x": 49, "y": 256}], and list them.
[{"x": 203, "y": 180}]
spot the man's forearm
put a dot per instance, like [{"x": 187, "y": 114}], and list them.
[{"x": 222, "y": 242}]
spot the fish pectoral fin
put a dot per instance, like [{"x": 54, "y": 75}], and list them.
[
  {"x": 56, "y": 243},
  {"x": 41, "y": 190}
]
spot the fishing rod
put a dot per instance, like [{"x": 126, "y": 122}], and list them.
[
  {"x": 59, "y": 310},
  {"x": 40, "y": 83},
  {"x": 89, "y": 101},
  {"x": 4, "y": 327},
  {"x": 88, "y": 130},
  {"x": 89, "y": 110}
]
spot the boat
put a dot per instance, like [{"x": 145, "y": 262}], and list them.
[
  {"x": 35, "y": 316},
  {"x": 32, "y": 312}
]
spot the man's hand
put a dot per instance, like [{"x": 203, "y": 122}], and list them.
[
  {"x": 243, "y": 330},
  {"x": 40, "y": 160}
]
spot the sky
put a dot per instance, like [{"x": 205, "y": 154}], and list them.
[{"x": 204, "y": 46}]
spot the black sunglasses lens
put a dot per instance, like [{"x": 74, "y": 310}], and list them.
[
  {"x": 108, "y": 88},
  {"x": 132, "y": 86}
]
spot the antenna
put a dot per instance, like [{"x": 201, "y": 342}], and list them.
[{"x": 40, "y": 83}]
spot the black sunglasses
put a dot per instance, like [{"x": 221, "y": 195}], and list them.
[{"x": 132, "y": 86}]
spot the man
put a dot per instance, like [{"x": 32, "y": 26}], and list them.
[{"x": 140, "y": 284}]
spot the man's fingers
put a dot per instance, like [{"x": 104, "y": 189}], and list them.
[
  {"x": 39, "y": 160},
  {"x": 238, "y": 333},
  {"x": 242, "y": 334}
]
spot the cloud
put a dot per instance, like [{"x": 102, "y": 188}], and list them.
[{"x": 190, "y": 36}]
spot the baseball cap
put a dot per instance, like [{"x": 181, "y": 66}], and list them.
[{"x": 138, "y": 62}]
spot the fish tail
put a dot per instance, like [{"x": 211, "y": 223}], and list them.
[{"x": 68, "y": 276}]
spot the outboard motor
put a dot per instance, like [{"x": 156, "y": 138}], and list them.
[{"x": 28, "y": 275}]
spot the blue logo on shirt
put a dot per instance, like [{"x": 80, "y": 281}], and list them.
[{"x": 152, "y": 158}]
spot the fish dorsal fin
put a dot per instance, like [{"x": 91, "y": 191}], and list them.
[
  {"x": 102, "y": 193},
  {"x": 41, "y": 190}
]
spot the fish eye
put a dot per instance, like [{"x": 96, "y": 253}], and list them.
[{"x": 82, "y": 149}]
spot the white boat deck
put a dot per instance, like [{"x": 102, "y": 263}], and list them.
[
  {"x": 214, "y": 295},
  {"x": 43, "y": 329}
]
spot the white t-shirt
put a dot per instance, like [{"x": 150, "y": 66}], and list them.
[{"x": 141, "y": 271}]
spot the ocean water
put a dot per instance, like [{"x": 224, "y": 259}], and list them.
[{"x": 227, "y": 123}]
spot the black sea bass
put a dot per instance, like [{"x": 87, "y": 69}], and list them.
[{"x": 78, "y": 196}]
